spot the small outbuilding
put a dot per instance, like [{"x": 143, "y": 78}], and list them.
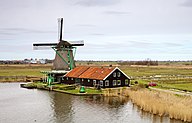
[{"x": 105, "y": 77}]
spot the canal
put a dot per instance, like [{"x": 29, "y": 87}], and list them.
[{"x": 19, "y": 105}]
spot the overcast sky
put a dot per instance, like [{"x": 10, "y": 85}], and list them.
[{"x": 111, "y": 29}]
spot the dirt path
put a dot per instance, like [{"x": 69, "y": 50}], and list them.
[{"x": 173, "y": 91}]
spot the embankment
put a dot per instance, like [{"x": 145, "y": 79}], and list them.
[{"x": 160, "y": 103}]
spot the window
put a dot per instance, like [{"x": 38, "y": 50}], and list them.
[
  {"x": 83, "y": 80},
  {"x": 114, "y": 74},
  {"x": 94, "y": 82},
  {"x": 118, "y": 82},
  {"x": 88, "y": 80},
  {"x": 67, "y": 78},
  {"x": 114, "y": 82},
  {"x": 118, "y": 74},
  {"x": 126, "y": 81},
  {"x": 71, "y": 78},
  {"x": 106, "y": 82},
  {"x": 101, "y": 83}
]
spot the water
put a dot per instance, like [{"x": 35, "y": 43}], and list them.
[{"x": 19, "y": 105}]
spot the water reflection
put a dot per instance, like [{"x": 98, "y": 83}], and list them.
[
  {"x": 23, "y": 105},
  {"x": 62, "y": 106}
]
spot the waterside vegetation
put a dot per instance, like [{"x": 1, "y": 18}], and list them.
[
  {"x": 174, "y": 106},
  {"x": 69, "y": 89}
]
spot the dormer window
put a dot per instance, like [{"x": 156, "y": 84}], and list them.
[
  {"x": 118, "y": 74},
  {"x": 114, "y": 74}
]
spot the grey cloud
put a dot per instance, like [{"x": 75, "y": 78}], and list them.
[
  {"x": 116, "y": 13},
  {"x": 187, "y": 3},
  {"x": 172, "y": 44},
  {"x": 86, "y": 25},
  {"x": 6, "y": 33},
  {"x": 90, "y": 3},
  {"x": 97, "y": 34},
  {"x": 140, "y": 44},
  {"x": 13, "y": 31}
]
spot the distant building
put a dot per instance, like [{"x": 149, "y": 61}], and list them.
[
  {"x": 42, "y": 61},
  {"x": 105, "y": 77}
]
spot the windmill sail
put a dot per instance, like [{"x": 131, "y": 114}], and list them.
[{"x": 64, "y": 58}]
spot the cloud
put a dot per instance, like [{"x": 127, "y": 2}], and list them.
[
  {"x": 14, "y": 31},
  {"x": 116, "y": 13},
  {"x": 89, "y": 3},
  {"x": 187, "y": 3},
  {"x": 86, "y": 25},
  {"x": 140, "y": 44},
  {"x": 172, "y": 44},
  {"x": 97, "y": 34}
]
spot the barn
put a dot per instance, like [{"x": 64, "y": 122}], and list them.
[{"x": 105, "y": 77}]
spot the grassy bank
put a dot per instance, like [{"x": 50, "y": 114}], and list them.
[{"x": 70, "y": 89}]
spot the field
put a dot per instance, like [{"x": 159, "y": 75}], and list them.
[
  {"x": 23, "y": 70},
  {"x": 169, "y": 77},
  {"x": 174, "y": 76}
]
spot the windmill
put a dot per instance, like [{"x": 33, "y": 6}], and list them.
[{"x": 65, "y": 50}]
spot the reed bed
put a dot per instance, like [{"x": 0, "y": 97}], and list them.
[
  {"x": 159, "y": 103},
  {"x": 163, "y": 104}
]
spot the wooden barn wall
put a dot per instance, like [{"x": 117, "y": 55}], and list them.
[
  {"x": 68, "y": 80},
  {"x": 111, "y": 78}
]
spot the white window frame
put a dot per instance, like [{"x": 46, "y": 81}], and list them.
[
  {"x": 114, "y": 74},
  {"x": 82, "y": 80},
  {"x": 118, "y": 74},
  {"x": 67, "y": 78},
  {"x": 71, "y": 78},
  {"x": 101, "y": 83},
  {"x": 88, "y": 80},
  {"x": 106, "y": 83},
  {"x": 126, "y": 81},
  {"x": 114, "y": 82},
  {"x": 94, "y": 82},
  {"x": 118, "y": 82}
]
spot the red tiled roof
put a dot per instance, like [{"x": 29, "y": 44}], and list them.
[
  {"x": 90, "y": 72},
  {"x": 76, "y": 72}
]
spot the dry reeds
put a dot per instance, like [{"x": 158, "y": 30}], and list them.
[{"x": 160, "y": 103}]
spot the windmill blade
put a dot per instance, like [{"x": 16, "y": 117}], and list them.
[
  {"x": 77, "y": 43},
  {"x": 43, "y": 46},
  {"x": 60, "y": 28}
]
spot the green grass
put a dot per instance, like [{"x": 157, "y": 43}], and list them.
[
  {"x": 185, "y": 87},
  {"x": 150, "y": 71},
  {"x": 63, "y": 88},
  {"x": 87, "y": 90},
  {"x": 174, "y": 76},
  {"x": 23, "y": 70}
]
